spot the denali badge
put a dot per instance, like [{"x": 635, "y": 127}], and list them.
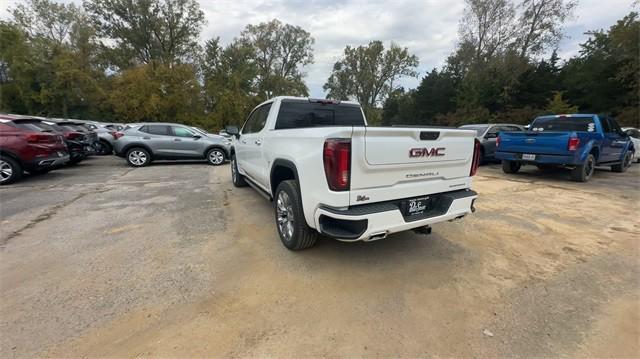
[
  {"x": 362, "y": 198},
  {"x": 426, "y": 152}
]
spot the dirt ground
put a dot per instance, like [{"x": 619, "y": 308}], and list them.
[{"x": 171, "y": 260}]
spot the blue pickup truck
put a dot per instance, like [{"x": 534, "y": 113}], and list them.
[{"x": 579, "y": 141}]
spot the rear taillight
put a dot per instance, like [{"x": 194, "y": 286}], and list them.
[
  {"x": 72, "y": 135},
  {"x": 116, "y": 134},
  {"x": 573, "y": 143},
  {"x": 498, "y": 141},
  {"x": 475, "y": 162},
  {"x": 39, "y": 138},
  {"x": 337, "y": 163}
]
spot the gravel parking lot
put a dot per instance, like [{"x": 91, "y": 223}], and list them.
[{"x": 171, "y": 260}]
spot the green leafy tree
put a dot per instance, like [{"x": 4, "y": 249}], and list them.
[
  {"x": 230, "y": 82},
  {"x": 280, "y": 52},
  {"x": 157, "y": 93},
  {"x": 557, "y": 105},
  {"x": 540, "y": 24},
  {"x": 146, "y": 31},
  {"x": 370, "y": 73}
]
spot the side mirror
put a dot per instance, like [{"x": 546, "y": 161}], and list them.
[{"x": 232, "y": 130}]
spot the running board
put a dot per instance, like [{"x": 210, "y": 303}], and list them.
[{"x": 262, "y": 192}]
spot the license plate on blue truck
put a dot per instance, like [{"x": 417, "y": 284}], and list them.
[{"x": 528, "y": 157}]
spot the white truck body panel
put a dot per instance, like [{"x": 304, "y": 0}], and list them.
[{"x": 381, "y": 167}]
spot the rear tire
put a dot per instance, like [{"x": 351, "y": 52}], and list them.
[
  {"x": 138, "y": 157},
  {"x": 236, "y": 177},
  {"x": 626, "y": 162},
  {"x": 583, "y": 172},
  {"x": 510, "y": 166},
  {"x": 10, "y": 170},
  {"x": 105, "y": 148},
  {"x": 294, "y": 232}
]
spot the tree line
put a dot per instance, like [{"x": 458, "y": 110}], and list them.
[
  {"x": 497, "y": 72},
  {"x": 133, "y": 61}
]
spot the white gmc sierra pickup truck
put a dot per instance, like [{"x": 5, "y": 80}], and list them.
[{"x": 330, "y": 173}]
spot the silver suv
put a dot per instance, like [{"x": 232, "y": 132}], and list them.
[{"x": 142, "y": 143}]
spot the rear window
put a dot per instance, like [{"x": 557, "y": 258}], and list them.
[
  {"x": 564, "y": 124},
  {"x": 302, "y": 114},
  {"x": 26, "y": 125}
]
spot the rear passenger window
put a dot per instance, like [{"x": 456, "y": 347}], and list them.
[
  {"x": 156, "y": 129},
  {"x": 302, "y": 114}
]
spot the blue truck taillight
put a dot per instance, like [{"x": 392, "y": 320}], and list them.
[{"x": 573, "y": 143}]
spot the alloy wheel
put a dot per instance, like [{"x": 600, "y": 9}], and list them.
[
  {"x": 216, "y": 157},
  {"x": 5, "y": 171},
  {"x": 285, "y": 218},
  {"x": 138, "y": 158}
]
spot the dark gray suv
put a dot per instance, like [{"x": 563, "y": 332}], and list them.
[
  {"x": 142, "y": 143},
  {"x": 487, "y": 135}
]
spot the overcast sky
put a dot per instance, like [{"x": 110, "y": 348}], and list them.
[{"x": 427, "y": 27}]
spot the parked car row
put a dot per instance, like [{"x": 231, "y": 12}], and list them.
[
  {"x": 38, "y": 145},
  {"x": 579, "y": 142}
]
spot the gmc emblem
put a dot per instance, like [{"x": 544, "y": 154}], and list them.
[{"x": 426, "y": 152}]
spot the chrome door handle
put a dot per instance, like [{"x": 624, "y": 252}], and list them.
[
  {"x": 258, "y": 142},
  {"x": 146, "y": 138}
]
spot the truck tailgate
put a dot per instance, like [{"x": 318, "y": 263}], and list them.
[
  {"x": 394, "y": 162},
  {"x": 549, "y": 143}
]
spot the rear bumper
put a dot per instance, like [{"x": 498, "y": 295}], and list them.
[
  {"x": 540, "y": 158},
  {"x": 55, "y": 160},
  {"x": 375, "y": 221}
]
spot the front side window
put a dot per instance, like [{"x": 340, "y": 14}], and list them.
[
  {"x": 257, "y": 119},
  {"x": 181, "y": 132},
  {"x": 162, "y": 130}
]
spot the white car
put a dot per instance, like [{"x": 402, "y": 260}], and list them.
[
  {"x": 330, "y": 173},
  {"x": 634, "y": 135}
]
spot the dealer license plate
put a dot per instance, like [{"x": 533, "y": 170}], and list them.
[{"x": 416, "y": 206}]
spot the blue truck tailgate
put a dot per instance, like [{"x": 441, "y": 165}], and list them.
[{"x": 548, "y": 143}]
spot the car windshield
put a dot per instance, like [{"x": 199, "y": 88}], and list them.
[
  {"x": 198, "y": 129},
  {"x": 564, "y": 124},
  {"x": 479, "y": 129}
]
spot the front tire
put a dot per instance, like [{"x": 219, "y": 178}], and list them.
[
  {"x": 294, "y": 232},
  {"x": 10, "y": 170},
  {"x": 510, "y": 166},
  {"x": 626, "y": 162},
  {"x": 138, "y": 157},
  {"x": 583, "y": 172},
  {"x": 216, "y": 156}
]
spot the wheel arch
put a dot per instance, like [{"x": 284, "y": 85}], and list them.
[
  {"x": 126, "y": 148},
  {"x": 11, "y": 155},
  {"x": 220, "y": 147},
  {"x": 282, "y": 170}
]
